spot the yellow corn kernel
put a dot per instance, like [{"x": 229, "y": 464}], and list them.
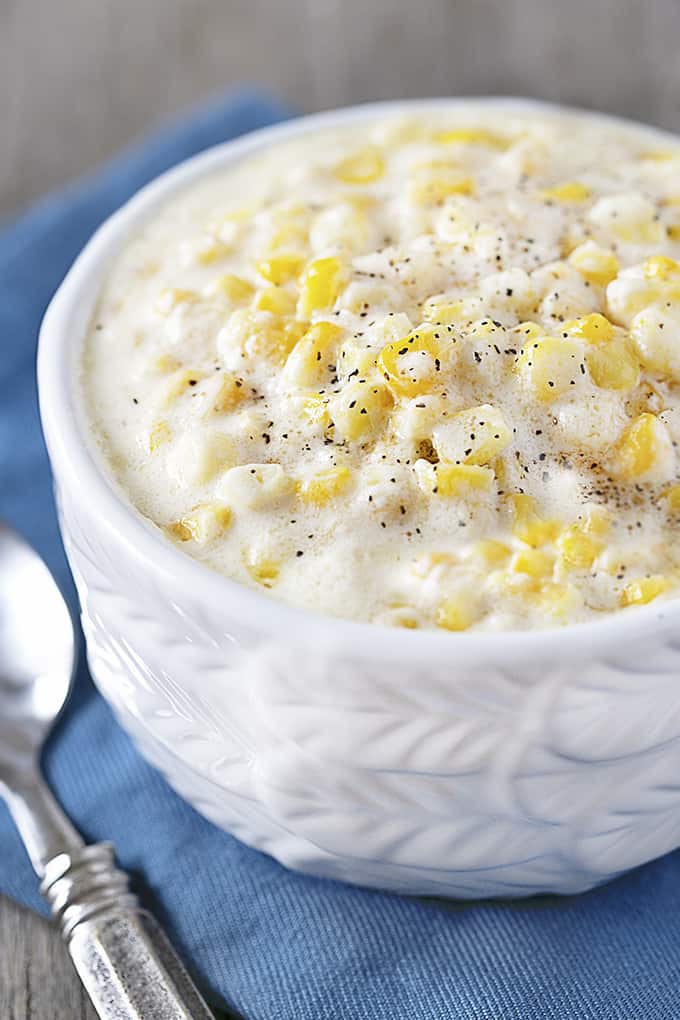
[
  {"x": 473, "y": 436},
  {"x": 360, "y": 408},
  {"x": 639, "y": 447},
  {"x": 447, "y": 313},
  {"x": 231, "y": 393},
  {"x": 528, "y": 331},
  {"x": 472, "y": 136},
  {"x": 309, "y": 359},
  {"x": 278, "y": 269},
  {"x": 355, "y": 360},
  {"x": 661, "y": 155},
  {"x": 593, "y": 328},
  {"x": 559, "y": 601},
  {"x": 263, "y": 568},
  {"x": 578, "y": 550},
  {"x": 455, "y": 613},
  {"x": 654, "y": 330},
  {"x": 410, "y": 365},
  {"x": 205, "y": 523},
  {"x": 528, "y": 526},
  {"x": 597, "y": 522},
  {"x": 671, "y": 498},
  {"x": 614, "y": 366},
  {"x": 570, "y": 191},
  {"x": 320, "y": 286},
  {"x": 276, "y": 300},
  {"x": 660, "y": 267},
  {"x": 644, "y": 590},
  {"x": 178, "y": 383},
  {"x": 490, "y": 551},
  {"x": 316, "y": 410},
  {"x": 160, "y": 433},
  {"x": 171, "y": 297},
  {"x": 673, "y": 231},
  {"x": 596, "y": 265},
  {"x": 532, "y": 562},
  {"x": 432, "y": 185},
  {"x": 325, "y": 485},
  {"x": 234, "y": 288},
  {"x": 549, "y": 366},
  {"x": 211, "y": 251},
  {"x": 451, "y": 480},
  {"x": 362, "y": 167}
]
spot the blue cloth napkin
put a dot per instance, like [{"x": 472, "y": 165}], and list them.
[{"x": 268, "y": 943}]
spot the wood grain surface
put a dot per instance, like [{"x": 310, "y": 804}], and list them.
[{"x": 80, "y": 78}]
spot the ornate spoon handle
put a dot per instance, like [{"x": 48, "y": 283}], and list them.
[{"x": 130, "y": 970}]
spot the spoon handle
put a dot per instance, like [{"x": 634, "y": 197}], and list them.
[{"x": 125, "y": 961}]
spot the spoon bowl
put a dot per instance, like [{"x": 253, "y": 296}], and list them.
[{"x": 37, "y": 653}]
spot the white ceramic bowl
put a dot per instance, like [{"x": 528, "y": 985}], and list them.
[{"x": 452, "y": 764}]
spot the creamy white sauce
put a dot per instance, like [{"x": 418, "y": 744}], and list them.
[{"x": 435, "y": 241}]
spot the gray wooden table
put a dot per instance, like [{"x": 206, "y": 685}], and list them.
[{"x": 78, "y": 79}]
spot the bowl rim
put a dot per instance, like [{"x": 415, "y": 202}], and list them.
[{"x": 78, "y": 464}]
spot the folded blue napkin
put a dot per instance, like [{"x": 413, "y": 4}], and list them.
[{"x": 270, "y": 944}]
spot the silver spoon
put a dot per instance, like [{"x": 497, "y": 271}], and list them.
[{"x": 123, "y": 958}]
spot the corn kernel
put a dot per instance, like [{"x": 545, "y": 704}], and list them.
[
  {"x": 528, "y": 331},
  {"x": 204, "y": 524},
  {"x": 560, "y": 601},
  {"x": 279, "y": 269},
  {"x": 276, "y": 300},
  {"x": 234, "y": 288},
  {"x": 491, "y": 552},
  {"x": 474, "y": 436},
  {"x": 644, "y": 590},
  {"x": 473, "y": 136},
  {"x": 528, "y": 526},
  {"x": 659, "y": 267},
  {"x": 354, "y": 359},
  {"x": 532, "y": 562},
  {"x": 655, "y": 332},
  {"x": 430, "y": 562},
  {"x": 445, "y": 313},
  {"x": 262, "y": 568},
  {"x": 177, "y": 384},
  {"x": 325, "y": 485},
  {"x": 596, "y": 265},
  {"x": 309, "y": 359},
  {"x": 316, "y": 410},
  {"x": 643, "y": 445},
  {"x": 360, "y": 408},
  {"x": 671, "y": 498},
  {"x": 410, "y": 365},
  {"x": 320, "y": 286},
  {"x": 362, "y": 167},
  {"x": 455, "y": 613},
  {"x": 569, "y": 192},
  {"x": 432, "y": 185},
  {"x": 451, "y": 480},
  {"x": 614, "y": 366},
  {"x": 231, "y": 393},
  {"x": 549, "y": 366},
  {"x": 254, "y": 486},
  {"x": 578, "y": 550},
  {"x": 593, "y": 328}
]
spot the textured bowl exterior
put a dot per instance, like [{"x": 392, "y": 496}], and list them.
[{"x": 455, "y": 765}]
